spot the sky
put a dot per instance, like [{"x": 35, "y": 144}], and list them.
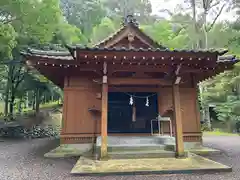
[{"x": 157, "y": 5}]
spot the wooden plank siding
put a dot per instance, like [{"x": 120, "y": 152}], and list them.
[{"x": 81, "y": 126}]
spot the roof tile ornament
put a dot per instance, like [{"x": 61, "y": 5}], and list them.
[{"x": 129, "y": 19}]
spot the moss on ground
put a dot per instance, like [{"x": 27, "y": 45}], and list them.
[{"x": 218, "y": 133}]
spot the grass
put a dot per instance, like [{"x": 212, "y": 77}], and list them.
[
  {"x": 29, "y": 111},
  {"x": 219, "y": 133}
]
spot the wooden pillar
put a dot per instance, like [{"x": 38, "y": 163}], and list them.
[
  {"x": 134, "y": 111},
  {"x": 178, "y": 122},
  {"x": 197, "y": 108},
  {"x": 104, "y": 116}
]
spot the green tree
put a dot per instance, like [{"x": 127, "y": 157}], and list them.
[
  {"x": 23, "y": 23},
  {"x": 68, "y": 34},
  {"x": 103, "y": 30},
  {"x": 141, "y": 9},
  {"x": 163, "y": 33},
  {"x": 224, "y": 91},
  {"x": 84, "y": 14},
  {"x": 7, "y": 40}
]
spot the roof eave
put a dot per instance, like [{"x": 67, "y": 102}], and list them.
[{"x": 222, "y": 52}]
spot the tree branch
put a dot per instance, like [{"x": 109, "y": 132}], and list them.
[
  {"x": 217, "y": 3},
  {"x": 20, "y": 79},
  {"x": 168, "y": 11},
  {"x": 215, "y": 19}
]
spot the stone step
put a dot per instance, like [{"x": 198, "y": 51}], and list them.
[
  {"x": 137, "y": 140},
  {"x": 141, "y": 154},
  {"x": 136, "y": 148}
]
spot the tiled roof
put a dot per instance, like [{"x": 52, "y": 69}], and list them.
[
  {"x": 219, "y": 52},
  {"x": 64, "y": 55},
  {"x": 227, "y": 58}
]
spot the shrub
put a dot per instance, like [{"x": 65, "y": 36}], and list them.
[
  {"x": 204, "y": 127},
  {"x": 36, "y": 131}
]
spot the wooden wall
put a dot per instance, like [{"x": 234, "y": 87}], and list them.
[
  {"x": 79, "y": 125},
  {"x": 82, "y": 126},
  {"x": 190, "y": 112}
]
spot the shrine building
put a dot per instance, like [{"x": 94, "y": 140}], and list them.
[{"x": 129, "y": 86}]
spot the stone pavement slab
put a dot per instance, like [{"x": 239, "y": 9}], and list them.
[{"x": 195, "y": 163}]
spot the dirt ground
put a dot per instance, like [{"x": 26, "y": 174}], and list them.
[{"x": 23, "y": 160}]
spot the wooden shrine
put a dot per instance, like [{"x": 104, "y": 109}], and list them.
[{"x": 129, "y": 62}]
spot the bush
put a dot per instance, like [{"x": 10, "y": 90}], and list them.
[
  {"x": 204, "y": 127},
  {"x": 36, "y": 131},
  {"x": 12, "y": 132},
  {"x": 40, "y": 132}
]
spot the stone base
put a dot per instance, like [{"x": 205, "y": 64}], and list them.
[
  {"x": 69, "y": 150},
  {"x": 193, "y": 163},
  {"x": 130, "y": 146}
]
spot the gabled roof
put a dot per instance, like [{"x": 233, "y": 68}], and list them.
[{"x": 129, "y": 27}]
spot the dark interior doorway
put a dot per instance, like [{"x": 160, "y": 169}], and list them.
[{"x": 120, "y": 112}]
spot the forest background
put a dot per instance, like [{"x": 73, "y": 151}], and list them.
[{"x": 50, "y": 24}]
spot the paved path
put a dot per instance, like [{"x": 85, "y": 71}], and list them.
[{"x": 23, "y": 160}]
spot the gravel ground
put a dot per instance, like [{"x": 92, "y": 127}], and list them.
[{"x": 23, "y": 160}]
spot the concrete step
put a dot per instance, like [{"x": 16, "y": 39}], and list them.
[
  {"x": 132, "y": 147},
  {"x": 137, "y": 140},
  {"x": 142, "y": 147},
  {"x": 141, "y": 154}
]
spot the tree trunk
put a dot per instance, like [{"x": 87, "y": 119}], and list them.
[
  {"x": 229, "y": 126},
  {"x": 11, "y": 105},
  {"x": 205, "y": 109},
  {"x": 207, "y": 117},
  {"x": 26, "y": 101},
  {"x": 204, "y": 29},
  {"x": 6, "y": 99},
  {"x": 37, "y": 101},
  {"x": 20, "y": 105},
  {"x": 195, "y": 27},
  {"x": 33, "y": 101}
]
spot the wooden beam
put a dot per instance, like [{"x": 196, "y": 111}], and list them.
[
  {"x": 133, "y": 89},
  {"x": 104, "y": 114},
  {"x": 178, "y": 122},
  {"x": 140, "y": 81},
  {"x": 138, "y": 68},
  {"x": 149, "y": 54}
]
